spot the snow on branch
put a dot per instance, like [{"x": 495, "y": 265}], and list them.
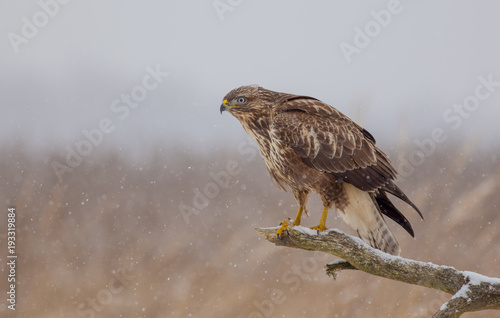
[{"x": 471, "y": 291}]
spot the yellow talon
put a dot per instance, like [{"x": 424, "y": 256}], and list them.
[
  {"x": 321, "y": 226},
  {"x": 283, "y": 228}
]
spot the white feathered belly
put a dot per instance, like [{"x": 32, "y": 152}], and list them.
[{"x": 363, "y": 216}]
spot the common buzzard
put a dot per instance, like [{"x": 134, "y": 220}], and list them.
[{"x": 308, "y": 145}]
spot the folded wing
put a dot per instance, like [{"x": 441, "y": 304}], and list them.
[{"x": 331, "y": 142}]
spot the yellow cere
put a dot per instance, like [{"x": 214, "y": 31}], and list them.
[{"x": 226, "y": 103}]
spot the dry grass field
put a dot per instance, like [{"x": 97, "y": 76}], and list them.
[{"x": 122, "y": 237}]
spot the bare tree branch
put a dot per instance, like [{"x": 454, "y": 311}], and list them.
[
  {"x": 336, "y": 266},
  {"x": 471, "y": 291}
]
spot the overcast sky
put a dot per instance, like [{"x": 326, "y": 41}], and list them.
[{"x": 67, "y": 68}]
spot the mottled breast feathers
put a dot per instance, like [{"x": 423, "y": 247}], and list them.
[{"x": 330, "y": 142}]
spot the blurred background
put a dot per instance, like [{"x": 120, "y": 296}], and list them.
[{"x": 136, "y": 198}]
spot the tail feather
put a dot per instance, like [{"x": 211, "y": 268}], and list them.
[
  {"x": 396, "y": 191},
  {"x": 363, "y": 215},
  {"x": 386, "y": 207}
]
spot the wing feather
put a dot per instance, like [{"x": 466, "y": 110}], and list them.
[{"x": 330, "y": 142}]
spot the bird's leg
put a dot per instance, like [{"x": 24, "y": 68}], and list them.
[
  {"x": 301, "y": 197},
  {"x": 321, "y": 226},
  {"x": 298, "y": 216}
]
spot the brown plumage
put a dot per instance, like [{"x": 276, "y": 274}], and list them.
[{"x": 308, "y": 146}]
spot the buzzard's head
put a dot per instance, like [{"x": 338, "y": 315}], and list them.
[{"x": 248, "y": 101}]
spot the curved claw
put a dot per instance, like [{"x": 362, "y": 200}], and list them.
[
  {"x": 283, "y": 228},
  {"x": 319, "y": 228}
]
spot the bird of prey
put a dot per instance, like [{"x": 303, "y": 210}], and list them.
[{"x": 309, "y": 146}]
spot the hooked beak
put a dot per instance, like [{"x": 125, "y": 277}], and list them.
[
  {"x": 225, "y": 106},
  {"x": 222, "y": 108}
]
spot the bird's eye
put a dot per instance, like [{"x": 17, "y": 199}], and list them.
[{"x": 241, "y": 100}]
